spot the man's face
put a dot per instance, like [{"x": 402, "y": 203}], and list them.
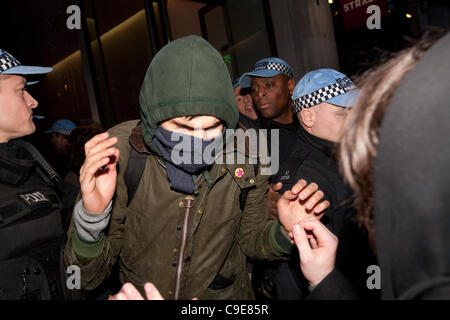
[
  {"x": 245, "y": 103},
  {"x": 16, "y": 106},
  {"x": 203, "y": 127},
  {"x": 325, "y": 121},
  {"x": 272, "y": 96}
]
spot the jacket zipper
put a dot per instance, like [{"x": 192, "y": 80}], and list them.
[{"x": 188, "y": 204}]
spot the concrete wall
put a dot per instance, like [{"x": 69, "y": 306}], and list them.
[{"x": 304, "y": 34}]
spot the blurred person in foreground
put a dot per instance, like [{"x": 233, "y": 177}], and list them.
[{"x": 395, "y": 155}]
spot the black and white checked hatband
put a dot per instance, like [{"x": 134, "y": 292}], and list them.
[
  {"x": 275, "y": 66},
  {"x": 62, "y": 131},
  {"x": 321, "y": 95},
  {"x": 7, "y": 61}
]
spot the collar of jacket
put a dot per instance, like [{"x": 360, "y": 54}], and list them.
[
  {"x": 16, "y": 164},
  {"x": 325, "y": 146},
  {"x": 137, "y": 142},
  {"x": 264, "y": 123}
]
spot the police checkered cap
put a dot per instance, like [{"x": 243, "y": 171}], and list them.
[
  {"x": 277, "y": 66},
  {"x": 62, "y": 126},
  {"x": 267, "y": 68},
  {"x": 324, "y": 85},
  {"x": 7, "y": 61},
  {"x": 236, "y": 82},
  {"x": 10, "y": 65}
]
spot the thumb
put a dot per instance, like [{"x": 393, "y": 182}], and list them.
[
  {"x": 151, "y": 292},
  {"x": 301, "y": 240},
  {"x": 277, "y": 186}
]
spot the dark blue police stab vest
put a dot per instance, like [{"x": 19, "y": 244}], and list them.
[{"x": 31, "y": 232}]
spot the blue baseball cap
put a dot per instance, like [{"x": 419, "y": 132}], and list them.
[
  {"x": 266, "y": 68},
  {"x": 236, "y": 82},
  {"x": 324, "y": 85},
  {"x": 62, "y": 126},
  {"x": 10, "y": 65}
]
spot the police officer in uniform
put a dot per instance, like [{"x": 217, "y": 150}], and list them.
[
  {"x": 321, "y": 101},
  {"x": 31, "y": 232}
]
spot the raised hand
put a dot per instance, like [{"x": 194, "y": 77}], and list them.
[
  {"x": 98, "y": 174},
  {"x": 317, "y": 249},
  {"x": 300, "y": 203}
]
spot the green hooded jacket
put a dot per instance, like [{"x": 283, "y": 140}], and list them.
[{"x": 188, "y": 246}]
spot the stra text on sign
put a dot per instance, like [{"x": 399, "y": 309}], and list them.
[{"x": 354, "y": 12}]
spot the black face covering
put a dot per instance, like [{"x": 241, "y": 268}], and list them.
[{"x": 185, "y": 156}]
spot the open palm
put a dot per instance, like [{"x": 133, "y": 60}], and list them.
[{"x": 98, "y": 174}]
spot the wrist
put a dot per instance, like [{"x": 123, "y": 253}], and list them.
[
  {"x": 98, "y": 208},
  {"x": 317, "y": 280}
]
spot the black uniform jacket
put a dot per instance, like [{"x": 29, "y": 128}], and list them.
[
  {"x": 31, "y": 232},
  {"x": 313, "y": 159}
]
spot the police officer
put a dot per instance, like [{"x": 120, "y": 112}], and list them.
[
  {"x": 321, "y": 100},
  {"x": 31, "y": 232}
]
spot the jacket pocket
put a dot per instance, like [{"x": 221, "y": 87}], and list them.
[
  {"x": 237, "y": 287},
  {"x": 220, "y": 282}
]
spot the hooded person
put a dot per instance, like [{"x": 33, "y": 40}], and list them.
[{"x": 183, "y": 226}]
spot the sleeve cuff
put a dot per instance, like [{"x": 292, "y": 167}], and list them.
[
  {"x": 87, "y": 250},
  {"x": 88, "y": 225},
  {"x": 279, "y": 240}
]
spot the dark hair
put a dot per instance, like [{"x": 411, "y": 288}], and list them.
[{"x": 359, "y": 141}]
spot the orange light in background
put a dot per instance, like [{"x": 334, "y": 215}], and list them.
[{"x": 409, "y": 15}]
